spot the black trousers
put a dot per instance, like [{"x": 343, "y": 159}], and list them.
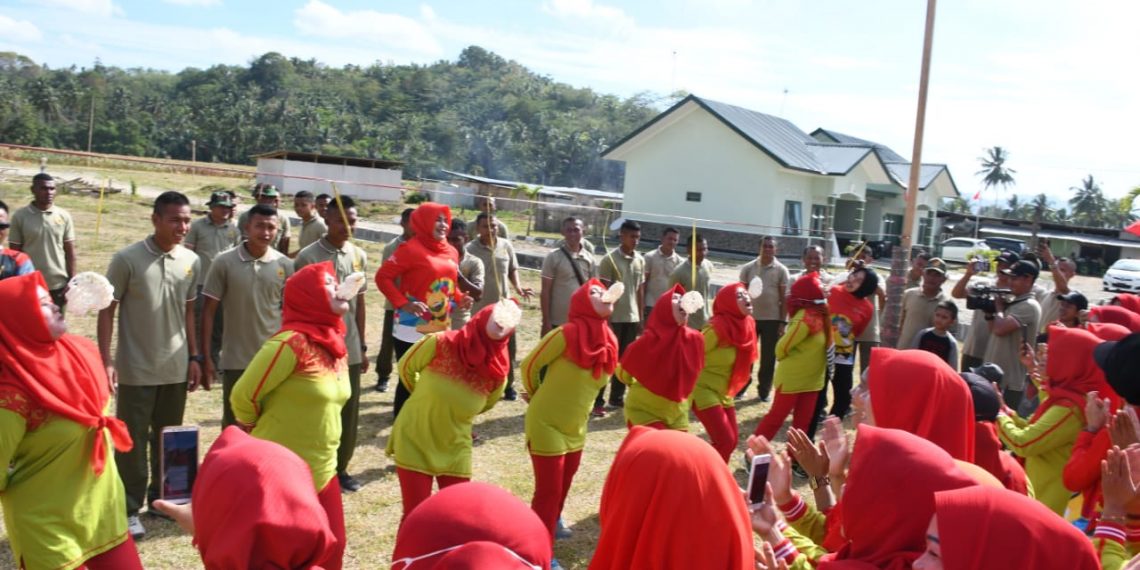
[
  {"x": 841, "y": 386},
  {"x": 626, "y": 333},
  {"x": 402, "y": 393},
  {"x": 384, "y": 359},
  {"x": 767, "y": 335}
]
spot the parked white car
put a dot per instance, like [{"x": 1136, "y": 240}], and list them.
[
  {"x": 958, "y": 249},
  {"x": 1124, "y": 275}
]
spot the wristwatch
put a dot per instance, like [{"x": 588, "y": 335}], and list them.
[
  {"x": 197, "y": 358},
  {"x": 817, "y": 482}
]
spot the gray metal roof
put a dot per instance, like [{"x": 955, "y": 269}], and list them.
[
  {"x": 900, "y": 171},
  {"x": 885, "y": 152},
  {"x": 838, "y": 159},
  {"x": 779, "y": 137},
  {"x": 548, "y": 190}
]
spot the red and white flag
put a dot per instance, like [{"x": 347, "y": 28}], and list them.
[
  {"x": 978, "y": 195},
  {"x": 1133, "y": 228}
]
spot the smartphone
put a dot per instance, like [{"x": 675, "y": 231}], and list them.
[
  {"x": 980, "y": 265},
  {"x": 758, "y": 479},
  {"x": 178, "y": 463},
  {"x": 1025, "y": 338}
]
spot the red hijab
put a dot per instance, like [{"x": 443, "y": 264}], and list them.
[
  {"x": 1129, "y": 301},
  {"x": 472, "y": 357},
  {"x": 590, "y": 343},
  {"x": 667, "y": 357},
  {"x": 1107, "y": 331},
  {"x": 989, "y": 455},
  {"x": 306, "y": 309},
  {"x": 1117, "y": 315},
  {"x": 916, "y": 391},
  {"x": 1072, "y": 372},
  {"x": 65, "y": 376},
  {"x": 737, "y": 329},
  {"x": 889, "y": 499},
  {"x": 423, "y": 222},
  {"x": 255, "y": 507},
  {"x": 984, "y": 527},
  {"x": 669, "y": 502},
  {"x": 803, "y": 294},
  {"x": 472, "y": 525}
]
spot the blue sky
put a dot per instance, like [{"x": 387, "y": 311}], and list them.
[{"x": 1052, "y": 81}]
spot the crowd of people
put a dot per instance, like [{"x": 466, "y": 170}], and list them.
[{"x": 1019, "y": 448}]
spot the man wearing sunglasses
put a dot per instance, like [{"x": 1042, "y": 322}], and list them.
[{"x": 12, "y": 262}]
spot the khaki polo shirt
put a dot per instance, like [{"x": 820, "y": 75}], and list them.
[
  {"x": 684, "y": 275},
  {"x": 389, "y": 249},
  {"x": 559, "y": 275},
  {"x": 152, "y": 288},
  {"x": 630, "y": 270},
  {"x": 249, "y": 290},
  {"x": 917, "y": 312},
  {"x": 348, "y": 260},
  {"x": 775, "y": 278},
  {"x": 208, "y": 239},
  {"x": 1005, "y": 351},
  {"x": 658, "y": 269},
  {"x": 283, "y": 225},
  {"x": 496, "y": 284},
  {"x": 471, "y": 268},
  {"x": 41, "y": 235},
  {"x": 311, "y": 231}
]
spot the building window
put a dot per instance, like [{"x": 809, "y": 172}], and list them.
[
  {"x": 924, "y": 225},
  {"x": 793, "y": 215},
  {"x": 692, "y": 196},
  {"x": 818, "y": 219},
  {"x": 892, "y": 228}
]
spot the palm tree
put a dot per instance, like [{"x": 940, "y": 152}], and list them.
[
  {"x": 1128, "y": 203},
  {"x": 994, "y": 172},
  {"x": 1015, "y": 209},
  {"x": 957, "y": 205},
  {"x": 1088, "y": 202}
]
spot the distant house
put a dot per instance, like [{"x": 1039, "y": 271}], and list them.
[
  {"x": 745, "y": 173},
  {"x": 363, "y": 178},
  {"x": 1065, "y": 239}
]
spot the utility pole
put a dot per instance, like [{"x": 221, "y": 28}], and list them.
[
  {"x": 901, "y": 256},
  {"x": 90, "y": 125}
]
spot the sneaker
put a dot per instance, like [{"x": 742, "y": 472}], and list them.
[
  {"x": 599, "y": 412},
  {"x": 348, "y": 483},
  {"x": 554, "y": 565},
  {"x": 562, "y": 531},
  {"x": 510, "y": 395},
  {"x": 382, "y": 386},
  {"x": 135, "y": 527}
]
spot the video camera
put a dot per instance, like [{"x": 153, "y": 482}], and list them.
[{"x": 984, "y": 297}]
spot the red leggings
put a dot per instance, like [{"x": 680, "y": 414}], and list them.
[
  {"x": 122, "y": 557},
  {"x": 800, "y": 405},
  {"x": 415, "y": 487},
  {"x": 552, "y": 478},
  {"x": 720, "y": 423},
  {"x": 329, "y": 497}
]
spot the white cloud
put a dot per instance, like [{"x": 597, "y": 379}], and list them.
[
  {"x": 195, "y": 3},
  {"x": 103, "y": 8},
  {"x": 318, "y": 19},
  {"x": 597, "y": 16},
  {"x": 18, "y": 30},
  {"x": 427, "y": 13}
]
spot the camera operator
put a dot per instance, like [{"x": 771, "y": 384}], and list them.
[
  {"x": 974, "y": 347},
  {"x": 1014, "y": 323}
]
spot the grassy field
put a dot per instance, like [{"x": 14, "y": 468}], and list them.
[{"x": 373, "y": 513}]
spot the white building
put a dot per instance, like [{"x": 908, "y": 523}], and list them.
[
  {"x": 362, "y": 178},
  {"x": 754, "y": 174}
]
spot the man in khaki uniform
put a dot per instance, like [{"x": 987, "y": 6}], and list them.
[
  {"x": 564, "y": 270},
  {"x": 698, "y": 249},
  {"x": 1005, "y": 326},
  {"x": 624, "y": 264},
  {"x": 312, "y": 226},
  {"x": 157, "y": 359},
  {"x": 46, "y": 234},
  {"x": 267, "y": 195},
  {"x": 768, "y": 310},
  {"x": 336, "y": 246},
  {"x": 501, "y": 268},
  {"x": 659, "y": 266},
  {"x": 247, "y": 281},
  {"x": 471, "y": 272},
  {"x": 387, "y": 348},
  {"x": 209, "y": 236},
  {"x": 919, "y": 303}
]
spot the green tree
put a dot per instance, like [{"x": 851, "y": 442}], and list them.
[
  {"x": 1088, "y": 203},
  {"x": 994, "y": 172}
]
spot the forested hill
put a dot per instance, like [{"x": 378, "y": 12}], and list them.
[{"x": 481, "y": 114}]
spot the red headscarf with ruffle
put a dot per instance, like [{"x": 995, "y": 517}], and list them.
[
  {"x": 803, "y": 294},
  {"x": 1129, "y": 301},
  {"x": 984, "y": 527},
  {"x": 65, "y": 376},
  {"x": 590, "y": 342},
  {"x": 1107, "y": 331},
  {"x": 1117, "y": 315},
  {"x": 306, "y": 309},
  {"x": 668, "y": 502},
  {"x": 736, "y": 329},
  {"x": 472, "y": 525},
  {"x": 1072, "y": 373},
  {"x": 472, "y": 357},
  {"x": 255, "y": 507},
  {"x": 989, "y": 455},
  {"x": 667, "y": 357},
  {"x": 423, "y": 222},
  {"x": 918, "y": 392}
]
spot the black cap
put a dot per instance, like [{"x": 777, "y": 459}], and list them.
[
  {"x": 1076, "y": 299},
  {"x": 986, "y": 403},
  {"x": 1023, "y": 268},
  {"x": 990, "y": 371},
  {"x": 1120, "y": 361},
  {"x": 1008, "y": 257}
]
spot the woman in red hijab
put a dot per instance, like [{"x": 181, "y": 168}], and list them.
[
  {"x": 472, "y": 526},
  {"x": 577, "y": 357},
  {"x": 988, "y": 451},
  {"x": 420, "y": 279},
  {"x": 661, "y": 367},
  {"x": 62, "y": 496},
  {"x": 669, "y": 502},
  {"x": 730, "y": 352},
  {"x": 295, "y": 386},
  {"x": 977, "y": 528},
  {"x": 1117, "y": 315},
  {"x": 452, "y": 377},
  {"x": 1128, "y": 301},
  {"x": 918, "y": 392}
]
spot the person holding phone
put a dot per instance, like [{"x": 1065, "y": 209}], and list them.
[
  {"x": 293, "y": 390},
  {"x": 61, "y": 493}
]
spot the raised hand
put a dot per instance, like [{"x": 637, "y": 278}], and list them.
[
  {"x": 779, "y": 471},
  {"x": 836, "y": 446},
  {"x": 813, "y": 459},
  {"x": 1096, "y": 412},
  {"x": 1116, "y": 483},
  {"x": 1124, "y": 428}
]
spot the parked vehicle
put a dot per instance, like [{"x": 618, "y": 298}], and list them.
[
  {"x": 1124, "y": 275},
  {"x": 958, "y": 249}
]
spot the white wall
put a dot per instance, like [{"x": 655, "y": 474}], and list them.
[{"x": 278, "y": 172}]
